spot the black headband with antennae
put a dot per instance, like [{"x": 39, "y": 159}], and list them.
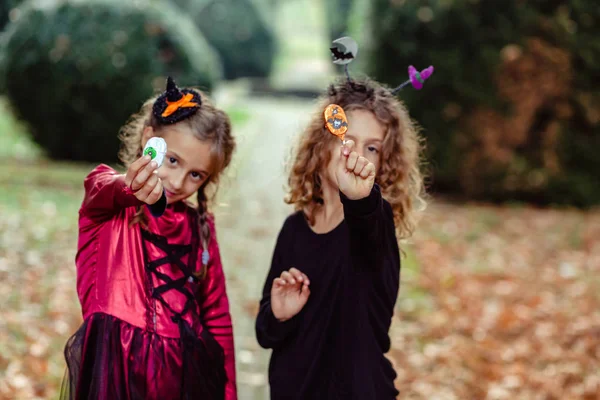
[{"x": 345, "y": 50}]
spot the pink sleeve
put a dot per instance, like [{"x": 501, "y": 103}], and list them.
[
  {"x": 105, "y": 193},
  {"x": 215, "y": 311}
]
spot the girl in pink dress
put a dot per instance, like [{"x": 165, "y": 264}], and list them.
[{"x": 149, "y": 274}]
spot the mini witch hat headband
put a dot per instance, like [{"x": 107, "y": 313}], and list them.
[
  {"x": 345, "y": 50},
  {"x": 175, "y": 105}
]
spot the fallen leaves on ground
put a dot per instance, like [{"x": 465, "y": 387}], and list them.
[
  {"x": 498, "y": 303},
  {"x": 506, "y": 305}
]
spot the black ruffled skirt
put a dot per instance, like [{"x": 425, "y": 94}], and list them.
[{"x": 110, "y": 359}]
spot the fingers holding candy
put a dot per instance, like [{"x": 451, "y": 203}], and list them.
[
  {"x": 368, "y": 171},
  {"x": 146, "y": 186},
  {"x": 152, "y": 190},
  {"x": 355, "y": 174},
  {"x": 361, "y": 163},
  {"x": 354, "y": 163},
  {"x": 143, "y": 181},
  {"x": 142, "y": 176},
  {"x": 135, "y": 167}
]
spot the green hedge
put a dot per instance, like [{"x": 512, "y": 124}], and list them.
[
  {"x": 237, "y": 31},
  {"x": 5, "y": 7},
  {"x": 76, "y": 70},
  {"x": 337, "y": 16},
  {"x": 511, "y": 112}
]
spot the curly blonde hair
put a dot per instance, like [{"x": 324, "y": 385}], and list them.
[
  {"x": 399, "y": 176},
  {"x": 208, "y": 124}
]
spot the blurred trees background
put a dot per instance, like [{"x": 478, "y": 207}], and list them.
[
  {"x": 245, "y": 43},
  {"x": 5, "y": 7},
  {"x": 77, "y": 70},
  {"x": 513, "y": 108},
  {"x": 511, "y": 113}
]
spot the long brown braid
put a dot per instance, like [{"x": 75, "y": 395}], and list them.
[{"x": 204, "y": 228}]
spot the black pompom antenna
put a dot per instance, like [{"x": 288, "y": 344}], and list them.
[{"x": 345, "y": 49}]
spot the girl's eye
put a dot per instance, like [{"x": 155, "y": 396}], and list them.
[
  {"x": 172, "y": 160},
  {"x": 373, "y": 149},
  {"x": 195, "y": 175}
]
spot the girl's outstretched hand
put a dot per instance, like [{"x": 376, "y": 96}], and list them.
[
  {"x": 355, "y": 174},
  {"x": 289, "y": 294},
  {"x": 142, "y": 179}
]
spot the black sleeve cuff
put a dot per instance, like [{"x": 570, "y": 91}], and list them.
[
  {"x": 270, "y": 332},
  {"x": 364, "y": 206},
  {"x": 281, "y": 329},
  {"x": 157, "y": 209}
]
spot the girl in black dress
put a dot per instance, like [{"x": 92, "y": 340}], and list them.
[{"x": 329, "y": 297}]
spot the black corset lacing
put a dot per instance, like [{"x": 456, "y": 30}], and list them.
[{"x": 203, "y": 370}]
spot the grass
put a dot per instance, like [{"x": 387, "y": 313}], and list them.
[
  {"x": 412, "y": 299},
  {"x": 238, "y": 115},
  {"x": 14, "y": 138},
  {"x": 32, "y": 182},
  {"x": 57, "y": 175}
]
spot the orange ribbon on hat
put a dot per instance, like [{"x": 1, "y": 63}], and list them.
[{"x": 173, "y": 106}]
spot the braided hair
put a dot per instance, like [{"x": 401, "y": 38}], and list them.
[{"x": 208, "y": 123}]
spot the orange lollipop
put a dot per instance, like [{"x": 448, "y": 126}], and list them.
[{"x": 336, "y": 121}]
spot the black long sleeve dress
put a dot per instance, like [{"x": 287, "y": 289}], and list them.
[{"x": 334, "y": 348}]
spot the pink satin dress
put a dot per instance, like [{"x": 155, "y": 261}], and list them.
[{"x": 151, "y": 330}]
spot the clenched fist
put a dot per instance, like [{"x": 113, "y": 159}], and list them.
[{"x": 355, "y": 174}]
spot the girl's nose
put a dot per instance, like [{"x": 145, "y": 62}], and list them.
[{"x": 177, "y": 181}]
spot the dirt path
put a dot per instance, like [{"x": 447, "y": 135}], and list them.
[{"x": 249, "y": 215}]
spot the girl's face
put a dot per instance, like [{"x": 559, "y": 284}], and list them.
[
  {"x": 367, "y": 133},
  {"x": 187, "y": 163}
]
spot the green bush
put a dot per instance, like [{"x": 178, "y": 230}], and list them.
[
  {"x": 236, "y": 30},
  {"x": 76, "y": 70},
  {"x": 337, "y": 15},
  {"x": 5, "y": 7},
  {"x": 511, "y": 112}
]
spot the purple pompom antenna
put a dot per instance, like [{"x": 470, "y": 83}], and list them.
[
  {"x": 415, "y": 78},
  {"x": 418, "y": 78}
]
